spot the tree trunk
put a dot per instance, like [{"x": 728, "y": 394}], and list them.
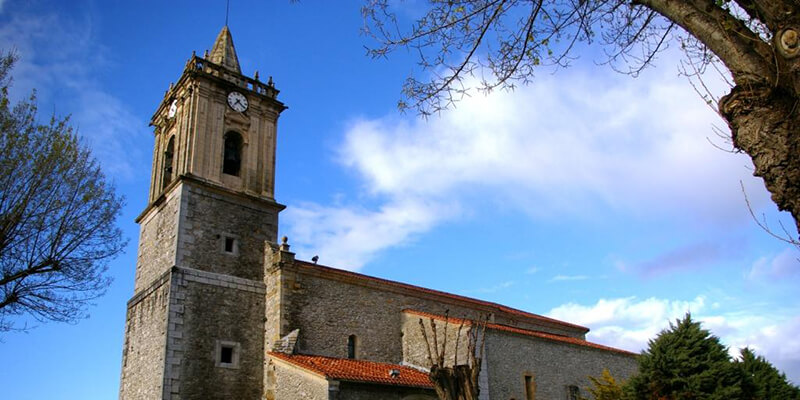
[{"x": 764, "y": 122}]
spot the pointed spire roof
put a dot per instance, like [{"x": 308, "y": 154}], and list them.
[{"x": 223, "y": 52}]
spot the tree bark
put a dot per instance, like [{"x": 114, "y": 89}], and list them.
[
  {"x": 763, "y": 121},
  {"x": 758, "y": 41},
  {"x": 762, "y": 109}
]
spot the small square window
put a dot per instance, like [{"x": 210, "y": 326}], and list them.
[
  {"x": 228, "y": 244},
  {"x": 227, "y": 354}
]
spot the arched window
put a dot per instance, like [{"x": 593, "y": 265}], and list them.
[
  {"x": 232, "y": 159},
  {"x": 168, "y": 160},
  {"x": 351, "y": 346}
]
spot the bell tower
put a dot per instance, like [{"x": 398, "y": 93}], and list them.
[
  {"x": 217, "y": 125},
  {"x": 195, "y": 324}
]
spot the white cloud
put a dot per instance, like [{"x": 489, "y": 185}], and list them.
[
  {"x": 568, "y": 146},
  {"x": 629, "y": 323},
  {"x": 560, "y": 145},
  {"x": 628, "y": 311},
  {"x": 348, "y": 237}
]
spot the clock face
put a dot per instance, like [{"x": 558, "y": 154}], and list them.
[
  {"x": 237, "y": 101},
  {"x": 173, "y": 108}
]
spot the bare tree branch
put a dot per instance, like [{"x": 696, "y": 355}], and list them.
[{"x": 57, "y": 216}]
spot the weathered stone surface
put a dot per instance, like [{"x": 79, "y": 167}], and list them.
[
  {"x": 157, "y": 240},
  {"x": 553, "y": 366},
  {"x": 209, "y": 215},
  {"x": 292, "y": 383},
  {"x": 415, "y": 349},
  {"x": 329, "y": 307},
  {"x": 218, "y": 308},
  {"x": 360, "y": 391},
  {"x": 144, "y": 351}
]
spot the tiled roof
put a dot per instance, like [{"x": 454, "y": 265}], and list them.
[
  {"x": 498, "y": 307},
  {"x": 526, "y": 332},
  {"x": 358, "y": 370}
]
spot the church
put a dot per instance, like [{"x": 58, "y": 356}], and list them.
[{"x": 222, "y": 309}]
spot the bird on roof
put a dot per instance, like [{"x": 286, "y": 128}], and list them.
[{"x": 315, "y": 259}]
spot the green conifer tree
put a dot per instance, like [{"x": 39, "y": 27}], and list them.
[
  {"x": 762, "y": 380},
  {"x": 685, "y": 362}
]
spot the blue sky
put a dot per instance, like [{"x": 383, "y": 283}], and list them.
[{"x": 588, "y": 196}]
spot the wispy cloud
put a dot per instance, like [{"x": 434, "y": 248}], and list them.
[
  {"x": 570, "y": 146},
  {"x": 561, "y": 278},
  {"x": 349, "y": 237},
  {"x": 683, "y": 258},
  {"x": 630, "y": 322},
  {"x": 784, "y": 265},
  {"x": 496, "y": 288}
]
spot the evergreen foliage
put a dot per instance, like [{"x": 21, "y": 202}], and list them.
[
  {"x": 762, "y": 380},
  {"x": 686, "y": 362}
]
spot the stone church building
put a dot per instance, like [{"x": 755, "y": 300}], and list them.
[{"x": 222, "y": 310}]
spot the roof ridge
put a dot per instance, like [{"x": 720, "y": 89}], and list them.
[
  {"x": 498, "y": 306},
  {"x": 357, "y": 360},
  {"x": 357, "y": 370},
  {"x": 528, "y": 332}
]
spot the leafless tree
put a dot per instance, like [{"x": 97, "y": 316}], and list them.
[
  {"x": 503, "y": 42},
  {"x": 454, "y": 381},
  {"x": 57, "y": 216}
]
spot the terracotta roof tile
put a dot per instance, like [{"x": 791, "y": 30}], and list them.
[
  {"x": 499, "y": 307},
  {"x": 358, "y": 370},
  {"x": 526, "y": 332}
]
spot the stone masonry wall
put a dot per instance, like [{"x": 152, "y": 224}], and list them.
[
  {"x": 292, "y": 383},
  {"x": 359, "y": 391},
  {"x": 157, "y": 240},
  {"x": 144, "y": 349},
  {"x": 218, "y": 308},
  {"x": 328, "y": 310},
  {"x": 414, "y": 346},
  {"x": 210, "y": 216},
  {"x": 553, "y": 366},
  {"x": 272, "y": 301}
]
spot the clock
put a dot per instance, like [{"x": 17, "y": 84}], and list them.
[
  {"x": 173, "y": 108},
  {"x": 237, "y": 101}
]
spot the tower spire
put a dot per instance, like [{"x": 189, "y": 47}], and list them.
[{"x": 223, "y": 52}]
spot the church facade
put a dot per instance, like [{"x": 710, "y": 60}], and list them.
[{"x": 223, "y": 310}]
